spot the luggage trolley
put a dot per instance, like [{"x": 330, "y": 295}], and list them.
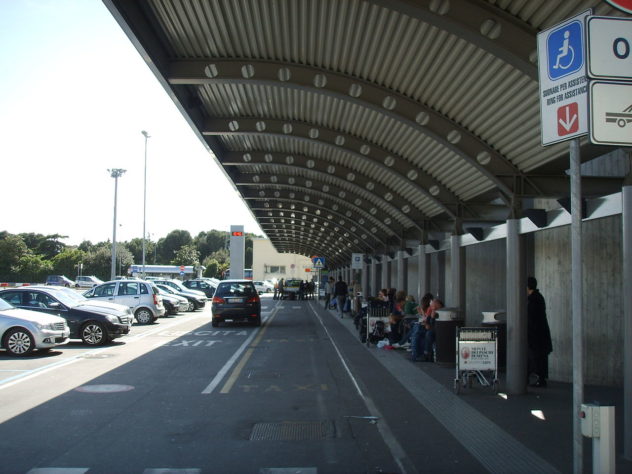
[
  {"x": 375, "y": 313},
  {"x": 476, "y": 356}
]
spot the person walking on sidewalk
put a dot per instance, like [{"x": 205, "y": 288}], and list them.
[
  {"x": 329, "y": 289},
  {"x": 340, "y": 292},
  {"x": 538, "y": 334}
]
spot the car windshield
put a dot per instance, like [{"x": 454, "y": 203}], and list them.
[
  {"x": 69, "y": 298},
  {"x": 73, "y": 295},
  {"x": 4, "y": 305},
  {"x": 235, "y": 289}
]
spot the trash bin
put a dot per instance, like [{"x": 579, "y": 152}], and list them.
[
  {"x": 445, "y": 336},
  {"x": 498, "y": 320}
]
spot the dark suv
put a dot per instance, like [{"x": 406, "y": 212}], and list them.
[
  {"x": 236, "y": 300},
  {"x": 205, "y": 286}
]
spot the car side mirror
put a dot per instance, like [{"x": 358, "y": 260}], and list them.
[{"x": 55, "y": 305}]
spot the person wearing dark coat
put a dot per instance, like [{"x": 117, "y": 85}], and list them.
[{"x": 538, "y": 334}]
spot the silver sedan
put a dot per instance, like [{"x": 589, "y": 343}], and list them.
[{"x": 22, "y": 331}]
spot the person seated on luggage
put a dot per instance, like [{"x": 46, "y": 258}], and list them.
[
  {"x": 418, "y": 331},
  {"x": 410, "y": 318},
  {"x": 429, "y": 337},
  {"x": 395, "y": 323}
]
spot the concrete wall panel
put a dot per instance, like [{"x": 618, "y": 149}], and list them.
[
  {"x": 485, "y": 280},
  {"x": 603, "y": 324}
]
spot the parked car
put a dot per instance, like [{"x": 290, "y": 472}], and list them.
[
  {"x": 84, "y": 281},
  {"x": 236, "y": 300},
  {"x": 192, "y": 300},
  {"x": 23, "y": 331},
  {"x": 140, "y": 296},
  {"x": 59, "y": 280},
  {"x": 205, "y": 286},
  {"x": 93, "y": 324},
  {"x": 263, "y": 287},
  {"x": 198, "y": 298},
  {"x": 173, "y": 303}
]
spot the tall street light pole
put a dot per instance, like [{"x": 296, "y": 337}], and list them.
[
  {"x": 146, "y": 135},
  {"x": 115, "y": 173}
]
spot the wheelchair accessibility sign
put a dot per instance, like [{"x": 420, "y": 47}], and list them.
[
  {"x": 565, "y": 50},
  {"x": 563, "y": 81}
]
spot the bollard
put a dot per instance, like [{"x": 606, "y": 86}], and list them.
[{"x": 597, "y": 422}]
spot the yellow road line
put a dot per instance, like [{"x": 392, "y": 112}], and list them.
[{"x": 237, "y": 371}]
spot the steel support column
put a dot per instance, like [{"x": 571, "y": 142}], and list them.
[
  {"x": 400, "y": 281},
  {"x": 386, "y": 270},
  {"x": 627, "y": 322},
  {"x": 365, "y": 278},
  {"x": 457, "y": 275},
  {"x": 423, "y": 272},
  {"x": 576, "y": 303},
  {"x": 516, "y": 318},
  {"x": 375, "y": 282}
]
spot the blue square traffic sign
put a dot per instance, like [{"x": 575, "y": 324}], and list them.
[{"x": 565, "y": 50}]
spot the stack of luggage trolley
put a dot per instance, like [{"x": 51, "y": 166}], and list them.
[{"x": 476, "y": 357}]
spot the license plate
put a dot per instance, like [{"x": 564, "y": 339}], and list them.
[{"x": 237, "y": 300}]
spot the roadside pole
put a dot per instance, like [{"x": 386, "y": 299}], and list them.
[
  {"x": 576, "y": 303},
  {"x": 564, "y": 116}
]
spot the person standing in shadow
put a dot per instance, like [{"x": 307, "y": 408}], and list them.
[{"x": 538, "y": 334}]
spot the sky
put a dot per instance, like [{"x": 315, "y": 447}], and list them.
[{"x": 75, "y": 97}]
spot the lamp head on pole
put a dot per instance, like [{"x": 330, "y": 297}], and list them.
[
  {"x": 145, "y": 134},
  {"x": 116, "y": 172}
]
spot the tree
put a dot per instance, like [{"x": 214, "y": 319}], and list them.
[
  {"x": 12, "y": 250},
  {"x": 209, "y": 242},
  {"x": 187, "y": 255},
  {"x": 33, "y": 268},
  {"x": 99, "y": 262},
  {"x": 169, "y": 245},
  {"x": 66, "y": 262}
]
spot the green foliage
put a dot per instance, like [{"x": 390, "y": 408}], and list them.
[
  {"x": 34, "y": 269},
  {"x": 186, "y": 255},
  {"x": 30, "y": 257},
  {"x": 169, "y": 245},
  {"x": 66, "y": 262},
  {"x": 12, "y": 250}
]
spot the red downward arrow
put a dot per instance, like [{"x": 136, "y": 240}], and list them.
[{"x": 568, "y": 119}]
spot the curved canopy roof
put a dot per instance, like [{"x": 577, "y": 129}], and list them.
[{"x": 361, "y": 125}]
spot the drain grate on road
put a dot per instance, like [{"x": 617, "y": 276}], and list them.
[{"x": 293, "y": 431}]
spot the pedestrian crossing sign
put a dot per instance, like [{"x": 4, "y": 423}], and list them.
[{"x": 319, "y": 262}]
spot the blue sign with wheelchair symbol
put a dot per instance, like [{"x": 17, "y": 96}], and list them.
[{"x": 565, "y": 50}]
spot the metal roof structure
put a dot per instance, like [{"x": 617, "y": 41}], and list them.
[{"x": 364, "y": 125}]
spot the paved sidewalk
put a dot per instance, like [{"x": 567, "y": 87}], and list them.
[{"x": 527, "y": 433}]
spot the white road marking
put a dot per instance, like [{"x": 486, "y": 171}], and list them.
[
  {"x": 228, "y": 365},
  {"x": 398, "y": 453}
]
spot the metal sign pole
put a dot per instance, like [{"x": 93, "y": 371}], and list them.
[{"x": 576, "y": 299}]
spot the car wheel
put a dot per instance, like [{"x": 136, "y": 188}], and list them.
[
  {"x": 191, "y": 306},
  {"x": 94, "y": 334},
  {"x": 144, "y": 316},
  {"x": 19, "y": 342},
  {"x": 215, "y": 323},
  {"x": 257, "y": 322}
]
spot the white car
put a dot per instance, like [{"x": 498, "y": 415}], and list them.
[
  {"x": 142, "y": 297},
  {"x": 263, "y": 287},
  {"x": 87, "y": 281},
  {"x": 22, "y": 331}
]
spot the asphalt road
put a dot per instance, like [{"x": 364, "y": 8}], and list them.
[{"x": 182, "y": 396}]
